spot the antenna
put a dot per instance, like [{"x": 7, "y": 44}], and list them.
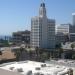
[{"x": 42, "y": 1}]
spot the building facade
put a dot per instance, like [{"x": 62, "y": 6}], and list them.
[
  {"x": 63, "y": 28},
  {"x": 61, "y": 38},
  {"x": 73, "y": 19},
  {"x": 42, "y": 30},
  {"x": 72, "y": 37},
  {"x": 21, "y": 37},
  {"x": 62, "y": 33},
  {"x": 72, "y": 29}
]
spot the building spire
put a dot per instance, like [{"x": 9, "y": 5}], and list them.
[{"x": 42, "y": 10}]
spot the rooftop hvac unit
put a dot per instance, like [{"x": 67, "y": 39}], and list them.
[
  {"x": 37, "y": 68},
  {"x": 20, "y": 70},
  {"x": 43, "y": 65},
  {"x": 11, "y": 68},
  {"x": 41, "y": 74},
  {"x": 29, "y": 72},
  {"x": 70, "y": 71},
  {"x": 37, "y": 73}
]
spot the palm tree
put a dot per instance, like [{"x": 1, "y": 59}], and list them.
[
  {"x": 72, "y": 52},
  {"x": 30, "y": 54},
  {"x": 37, "y": 53},
  {"x": 17, "y": 53},
  {"x": 21, "y": 50},
  {"x": 59, "y": 50},
  {"x": 73, "y": 56},
  {"x": 44, "y": 56}
]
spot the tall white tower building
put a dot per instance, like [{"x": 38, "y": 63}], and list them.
[
  {"x": 42, "y": 30},
  {"x": 73, "y": 15},
  {"x": 72, "y": 27}
]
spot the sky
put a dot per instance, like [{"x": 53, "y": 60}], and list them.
[{"x": 15, "y": 15}]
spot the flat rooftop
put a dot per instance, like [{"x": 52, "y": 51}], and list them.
[
  {"x": 62, "y": 62},
  {"x": 5, "y": 72},
  {"x": 34, "y": 68}
]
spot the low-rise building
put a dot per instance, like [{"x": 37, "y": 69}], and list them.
[
  {"x": 62, "y": 33},
  {"x": 21, "y": 37},
  {"x": 63, "y": 28},
  {"x": 72, "y": 37},
  {"x": 61, "y": 38}
]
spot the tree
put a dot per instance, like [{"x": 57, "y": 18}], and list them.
[
  {"x": 30, "y": 54},
  {"x": 44, "y": 56},
  {"x": 72, "y": 46},
  {"x": 37, "y": 53},
  {"x": 72, "y": 52},
  {"x": 18, "y": 53},
  {"x": 59, "y": 49},
  {"x": 58, "y": 46},
  {"x": 60, "y": 52},
  {"x": 73, "y": 56},
  {"x": 21, "y": 50},
  {"x": 0, "y": 52},
  {"x": 4, "y": 42}
]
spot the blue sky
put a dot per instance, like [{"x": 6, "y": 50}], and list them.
[{"x": 15, "y": 15}]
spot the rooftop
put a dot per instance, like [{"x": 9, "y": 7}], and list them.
[
  {"x": 34, "y": 68},
  {"x": 5, "y": 72}
]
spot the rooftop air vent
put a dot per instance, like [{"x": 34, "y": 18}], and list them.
[
  {"x": 11, "y": 68},
  {"x": 43, "y": 65},
  {"x": 37, "y": 68},
  {"x": 29, "y": 72},
  {"x": 20, "y": 70},
  {"x": 37, "y": 73}
]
